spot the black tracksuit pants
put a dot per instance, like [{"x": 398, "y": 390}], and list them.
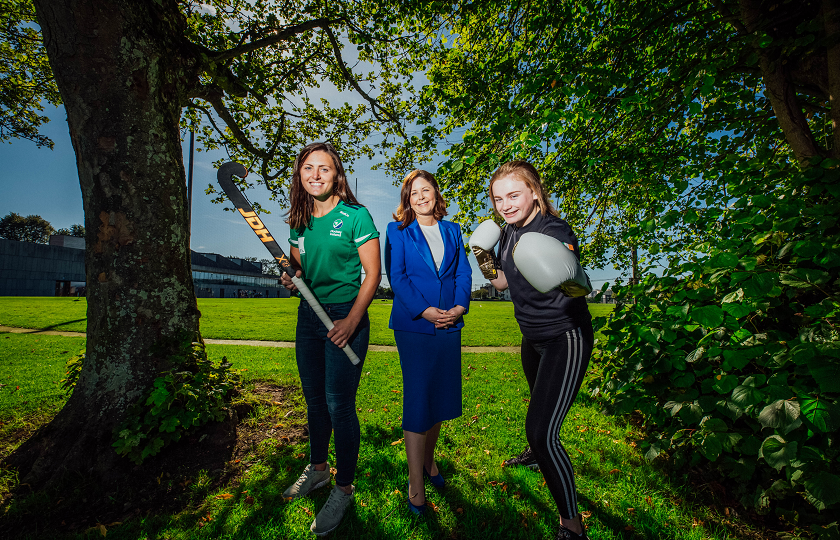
[{"x": 554, "y": 369}]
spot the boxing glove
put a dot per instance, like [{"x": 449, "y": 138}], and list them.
[
  {"x": 546, "y": 263},
  {"x": 483, "y": 240}
]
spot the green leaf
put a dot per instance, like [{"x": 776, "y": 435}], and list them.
[
  {"x": 169, "y": 424},
  {"x": 825, "y": 487},
  {"x": 777, "y": 452},
  {"x": 695, "y": 355},
  {"x": 826, "y": 373},
  {"x": 781, "y": 414},
  {"x": 715, "y": 424},
  {"x": 804, "y": 278},
  {"x": 691, "y": 413},
  {"x": 725, "y": 383},
  {"x": 807, "y": 249},
  {"x": 711, "y": 447},
  {"x": 724, "y": 260},
  {"x": 735, "y": 359},
  {"x": 708, "y": 316},
  {"x": 653, "y": 450},
  {"x": 736, "y": 310},
  {"x": 683, "y": 380},
  {"x": 821, "y": 412},
  {"x": 750, "y": 446},
  {"x": 746, "y": 396}
]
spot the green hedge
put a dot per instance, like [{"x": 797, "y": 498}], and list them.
[{"x": 732, "y": 357}]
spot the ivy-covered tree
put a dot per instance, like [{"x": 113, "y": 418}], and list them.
[{"x": 132, "y": 74}]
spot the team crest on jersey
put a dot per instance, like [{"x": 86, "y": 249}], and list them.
[{"x": 337, "y": 224}]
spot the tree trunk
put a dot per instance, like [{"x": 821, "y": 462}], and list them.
[
  {"x": 779, "y": 89},
  {"x": 121, "y": 78}
]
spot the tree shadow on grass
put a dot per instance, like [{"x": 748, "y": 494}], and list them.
[
  {"x": 233, "y": 475},
  {"x": 53, "y": 327},
  {"x": 180, "y": 475}
]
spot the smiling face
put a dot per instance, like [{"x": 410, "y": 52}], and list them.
[
  {"x": 514, "y": 200},
  {"x": 317, "y": 175},
  {"x": 422, "y": 198}
]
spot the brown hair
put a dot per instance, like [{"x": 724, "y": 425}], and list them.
[
  {"x": 404, "y": 212},
  {"x": 302, "y": 203},
  {"x": 526, "y": 172}
]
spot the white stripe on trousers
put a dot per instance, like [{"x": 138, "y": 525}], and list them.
[{"x": 562, "y": 463}]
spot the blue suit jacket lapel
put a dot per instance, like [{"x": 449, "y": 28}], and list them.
[{"x": 422, "y": 246}]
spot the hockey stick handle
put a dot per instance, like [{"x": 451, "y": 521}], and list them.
[
  {"x": 244, "y": 207},
  {"x": 319, "y": 311}
]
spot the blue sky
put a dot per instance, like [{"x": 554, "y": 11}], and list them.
[{"x": 45, "y": 182}]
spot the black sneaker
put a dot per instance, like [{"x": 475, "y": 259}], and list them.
[
  {"x": 566, "y": 534},
  {"x": 525, "y": 459}
]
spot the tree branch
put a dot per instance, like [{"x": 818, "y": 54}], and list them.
[
  {"x": 281, "y": 35},
  {"x": 374, "y": 104},
  {"x": 215, "y": 99}
]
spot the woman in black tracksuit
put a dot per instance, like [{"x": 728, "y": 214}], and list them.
[{"x": 557, "y": 335}]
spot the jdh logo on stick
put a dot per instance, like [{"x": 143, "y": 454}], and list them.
[{"x": 257, "y": 225}]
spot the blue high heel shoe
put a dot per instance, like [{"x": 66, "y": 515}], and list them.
[
  {"x": 437, "y": 480},
  {"x": 418, "y": 510}
]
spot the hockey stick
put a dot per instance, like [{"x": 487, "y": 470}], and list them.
[{"x": 225, "y": 177}]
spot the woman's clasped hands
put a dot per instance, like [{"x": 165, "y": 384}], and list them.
[{"x": 442, "y": 319}]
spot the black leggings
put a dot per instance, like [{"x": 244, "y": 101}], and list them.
[{"x": 554, "y": 369}]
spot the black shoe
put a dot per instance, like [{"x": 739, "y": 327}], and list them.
[
  {"x": 566, "y": 534},
  {"x": 525, "y": 459}
]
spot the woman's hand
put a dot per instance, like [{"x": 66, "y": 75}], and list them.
[
  {"x": 287, "y": 281},
  {"x": 435, "y": 316},
  {"x": 443, "y": 319},
  {"x": 342, "y": 331},
  {"x": 452, "y": 315}
]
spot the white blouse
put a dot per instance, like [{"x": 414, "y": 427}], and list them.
[{"x": 435, "y": 241}]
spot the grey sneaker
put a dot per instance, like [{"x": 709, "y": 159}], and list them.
[
  {"x": 333, "y": 511},
  {"x": 310, "y": 480}
]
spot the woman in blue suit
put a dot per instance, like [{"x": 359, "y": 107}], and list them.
[{"x": 431, "y": 278}]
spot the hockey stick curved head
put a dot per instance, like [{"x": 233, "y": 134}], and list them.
[{"x": 232, "y": 168}]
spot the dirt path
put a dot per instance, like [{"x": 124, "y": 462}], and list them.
[{"x": 281, "y": 344}]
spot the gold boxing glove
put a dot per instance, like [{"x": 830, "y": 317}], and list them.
[
  {"x": 483, "y": 240},
  {"x": 487, "y": 262}
]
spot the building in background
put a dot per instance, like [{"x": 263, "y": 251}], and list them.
[
  {"x": 607, "y": 298},
  {"x": 30, "y": 269},
  {"x": 215, "y": 276},
  {"x": 58, "y": 269}
]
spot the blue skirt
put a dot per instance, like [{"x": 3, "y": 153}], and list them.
[{"x": 431, "y": 370}]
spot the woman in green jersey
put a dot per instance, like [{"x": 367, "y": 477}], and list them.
[{"x": 332, "y": 239}]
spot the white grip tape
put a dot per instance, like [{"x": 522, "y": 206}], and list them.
[{"x": 319, "y": 311}]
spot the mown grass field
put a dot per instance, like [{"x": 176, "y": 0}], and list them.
[
  {"x": 489, "y": 323},
  {"x": 621, "y": 494}
]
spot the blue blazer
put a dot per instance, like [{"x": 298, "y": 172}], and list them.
[{"x": 415, "y": 281}]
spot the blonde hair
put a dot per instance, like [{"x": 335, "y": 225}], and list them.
[
  {"x": 404, "y": 211},
  {"x": 526, "y": 172}
]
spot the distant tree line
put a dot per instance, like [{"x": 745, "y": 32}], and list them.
[{"x": 33, "y": 228}]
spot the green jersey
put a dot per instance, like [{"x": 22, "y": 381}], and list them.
[{"x": 329, "y": 252}]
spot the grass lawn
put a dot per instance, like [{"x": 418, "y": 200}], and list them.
[
  {"x": 489, "y": 323},
  {"x": 621, "y": 494}
]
